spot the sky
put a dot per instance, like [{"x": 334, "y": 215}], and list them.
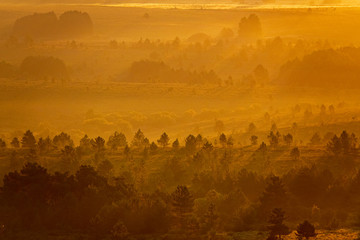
[{"x": 297, "y": 2}]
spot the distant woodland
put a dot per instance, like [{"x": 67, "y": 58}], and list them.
[{"x": 147, "y": 122}]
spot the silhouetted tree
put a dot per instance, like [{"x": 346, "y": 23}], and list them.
[
  {"x": 274, "y": 138},
  {"x": 105, "y": 168},
  {"x": 190, "y": 144},
  {"x": 2, "y": 143},
  {"x": 127, "y": 150},
  {"x": 116, "y": 140},
  {"x": 28, "y": 140},
  {"x": 85, "y": 144},
  {"x": 98, "y": 144},
  {"x": 75, "y": 23},
  {"x": 230, "y": 141},
  {"x": 44, "y": 67},
  {"x": 261, "y": 75},
  {"x": 295, "y": 153},
  {"x": 274, "y": 127},
  {"x": 219, "y": 126},
  {"x": 277, "y": 228},
  {"x": 176, "y": 144},
  {"x": 69, "y": 159},
  {"x": 119, "y": 231},
  {"x": 274, "y": 195},
  {"x": 250, "y": 27},
  {"x": 199, "y": 141},
  {"x": 208, "y": 147},
  {"x": 164, "y": 140},
  {"x": 153, "y": 147},
  {"x": 15, "y": 143},
  {"x": 254, "y": 140},
  {"x": 45, "y": 145},
  {"x": 334, "y": 145},
  {"x": 315, "y": 139},
  {"x": 305, "y": 230},
  {"x": 210, "y": 218},
  {"x": 251, "y": 128},
  {"x": 263, "y": 148},
  {"x": 222, "y": 139},
  {"x": 182, "y": 205},
  {"x": 62, "y": 140},
  {"x": 288, "y": 139},
  {"x": 139, "y": 139}
]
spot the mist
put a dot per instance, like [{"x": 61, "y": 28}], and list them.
[{"x": 220, "y": 120}]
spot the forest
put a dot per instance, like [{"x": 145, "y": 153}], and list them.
[
  {"x": 130, "y": 188},
  {"x": 176, "y": 120}
]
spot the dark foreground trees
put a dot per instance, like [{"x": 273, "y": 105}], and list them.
[
  {"x": 277, "y": 228},
  {"x": 182, "y": 206},
  {"x": 305, "y": 230}
]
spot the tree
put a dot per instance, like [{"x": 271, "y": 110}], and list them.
[
  {"x": 153, "y": 147},
  {"x": 208, "y": 147},
  {"x": 274, "y": 138},
  {"x": 261, "y": 75},
  {"x": 139, "y": 139},
  {"x": 98, "y": 144},
  {"x": 288, "y": 139},
  {"x": 274, "y": 195},
  {"x": 251, "y": 128},
  {"x": 43, "y": 67},
  {"x": 230, "y": 142},
  {"x": 263, "y": 148},
  {"x": 28, "y": 140},
  {"x": 305, "y": 230},
  {"x": 222, "y": 139},
  {"x": 274, "y": 127},
  {"x": 119, "y": 231},
  {"x": 127, "y": 151},
  {"x": 250, "y": 27},
  {"x": 105, "y": 168},
  {"x": 199, "y": 141},
  {"x": 75, "y": 23},
  {"x": 116, "y": 140},
  {"x": 190, "y": 144},
  {"x": 15, "y": 143},
  {"x": 210, "y": 217},
  {"x": 219, "y": 126},
  {"x": 253, "y": 140},
  {"x": 176, "y": 144},
  {"x": 295, "y": 153},
  {"x": 69, "y": 159},
  {"x": 164, "y": 140},
  {"x": 85, "y": 143},
  {"x": 45, "y": 145},
  {"x": 334, "y": 146},
  {"x": 2, "y": 143},
  {"x": 315, "y": 139},
  {"x": 62, "y": 140},
  {"x": 277, "y": 228},
  {"x": 182, "y": 205}
]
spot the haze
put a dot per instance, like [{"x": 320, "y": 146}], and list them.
[{"x": 221, "y": 120}]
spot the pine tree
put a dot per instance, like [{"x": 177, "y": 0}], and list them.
[
  {"x": 182, "y": 205},
  {"x": 28, "y": 140},
  {"x": 277, "y": 228},
  {"x": 305, "y": 230},
  {"x": 164, "y": 140}
]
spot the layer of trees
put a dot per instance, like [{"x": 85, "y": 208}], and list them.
[
  {"x": 48, "y": 25},
  {"x": 44, "y": 68},
  {"x": 54, "y": 185},
  {"x": 158, "y": 72},
  {"x": 324, "y": 68}
]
